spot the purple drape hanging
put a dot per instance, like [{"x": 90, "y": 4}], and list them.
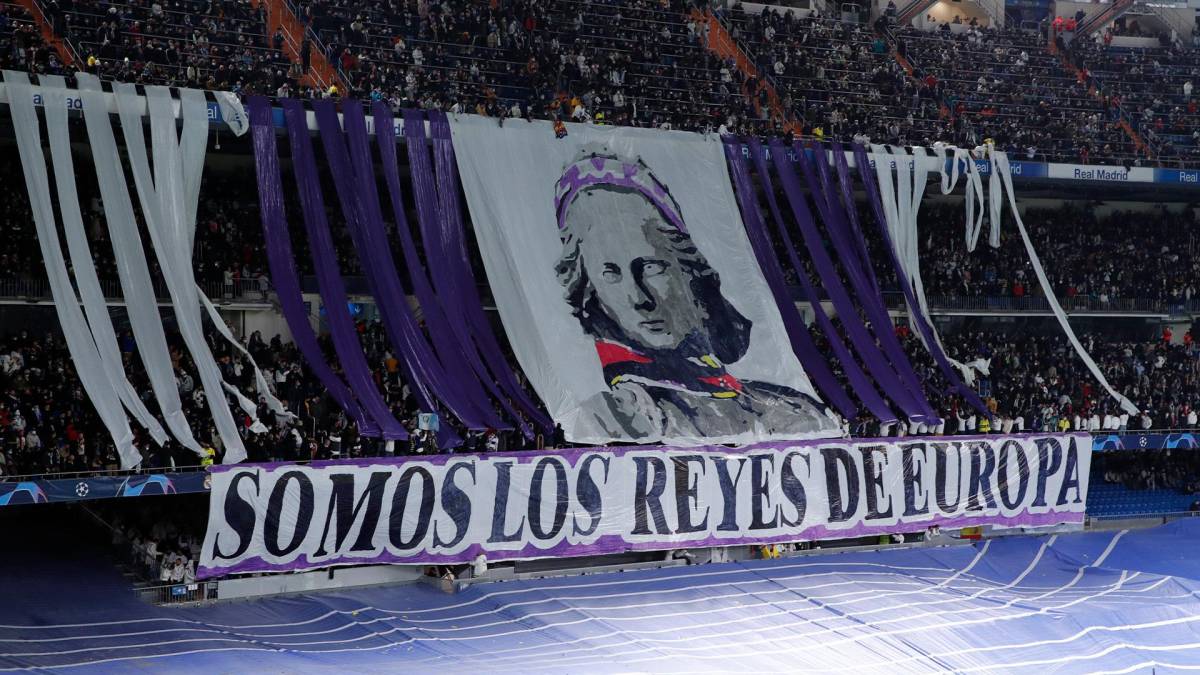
[
  {"x": 456, "y": 250},
  {"x": 802, "y": 344},
  {"x": 282, "y": 264},
  {"x": 860, "y": 382},
  {"x": 444, "y": 282},
  {"x": 867, "y": 173},
  {"x": 329, "y": 278},
  {"x": 834, "y": 215},
  {"x": 445, "y": 341},
  {"x": 355, "y": 185},
  {"x": 873, "y": 360},
  {"x": 467, "y": 388},
  {"x": 857, "y": 240}
]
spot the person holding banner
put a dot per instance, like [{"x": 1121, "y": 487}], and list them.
[{"x": 639, "y": 286}]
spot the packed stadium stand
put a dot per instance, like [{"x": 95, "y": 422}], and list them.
[
  {"x": 508, "y": 290},
  {"x": 1005, "y": 85},
  {"x": 215, "y": 45},
  {"x": 1153, "y": 87}
]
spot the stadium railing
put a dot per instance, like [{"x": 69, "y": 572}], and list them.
[
  {"x": 99, "y": 473},
  {"x": 1071, "y": 304},
  {"x": 194, "y": 468},
  {"x": 168, "y": 594},
  {"x": 1165, "y": 516},
  {"x": 253, "y": 290}
]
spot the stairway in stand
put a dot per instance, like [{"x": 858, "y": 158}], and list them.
[
  {"x": 321, "y": 74},
  {"x": 65, "y": 53},
  {"x": 718, "y": 41}
]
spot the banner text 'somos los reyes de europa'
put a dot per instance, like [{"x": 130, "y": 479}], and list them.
[{"x": 588, "y": 501}]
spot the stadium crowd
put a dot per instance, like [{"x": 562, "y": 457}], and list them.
[
  {"x": 642, "y": 63},
  {"x": 47, "y": 425},
  {"x": 647, "y": 63},
  {"x": 160, "y": 544},
  {"x": 1086, "y": 255},
  {"x": 210, "y": 44},
  {"x": 1137, "y": 470},
  {"x": 1033, "y": 382}
]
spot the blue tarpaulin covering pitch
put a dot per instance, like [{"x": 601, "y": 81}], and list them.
[{"x": 1104, "y": 602}]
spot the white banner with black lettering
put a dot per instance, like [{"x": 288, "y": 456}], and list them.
[
  {"x": 627, "y": 286},
  {"x": 591, "y": 501}
]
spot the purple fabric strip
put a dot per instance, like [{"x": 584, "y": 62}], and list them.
[
  {"x": 468, "y": 391},
  {"x": 454, "y": 393},
  {"x": 802, "y": 344},
  {"x": 282, "y": 264},
  {"x": 329, "y": 278},
  {"x": 867, "y": 174},
  {"x": 355, "y": 185},
  {"x": 859, "y": 382},
  {"x": 834, "y": 214},
  {"x": 356, "y": 180},
  {"x": 855, "y": 234},
  {"x": 446, "y": 283},
  {"x": 873, "y": 360},
  {"x": 456, "y": 250}
]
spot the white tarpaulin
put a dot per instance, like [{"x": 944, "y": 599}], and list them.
[{"x": 627, "y": 287}]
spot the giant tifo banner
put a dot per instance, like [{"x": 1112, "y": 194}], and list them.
[
  {"x": 451, "y": 508},
  {"x": 627, "y": 286}
]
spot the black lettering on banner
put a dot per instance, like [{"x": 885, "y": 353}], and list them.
[
  {"x": 941, "y": 484},
  {"x": 304, "y": 513},
  {"x": 500, "y": 506},
  {"x": 456, "y": 504},
  {"x": 343, "y": 509},
  {"x": 561, "y": 498},
  {"x": 587, "y": 493},
  {"x": 239, "y": 514},
  {"x": 840, "y": 512},
  {"x": 760, "y": 466},
  {"x": 1070, "y": 475},
  {"x": 728, "y": 491},
  {"x": 400, "y": 501},
  {"x": 1002, "y": 483},
  {"x": 913, "y": 473},
  {"x": 648, "y": 498},
  {"x": 793, "y": 487},
  {"x": 983, "y": 463},
  {"x": 687, "y": 492},
  {"x": 1049, "y": 460},
  {"x": 874, "y": 481}
]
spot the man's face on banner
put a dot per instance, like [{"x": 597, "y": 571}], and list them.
[{"x": 633, "y": 268}]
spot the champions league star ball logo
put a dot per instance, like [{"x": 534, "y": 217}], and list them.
[
  {"x": 82, "y": 489},
  {"x": 137, "y": 486}
]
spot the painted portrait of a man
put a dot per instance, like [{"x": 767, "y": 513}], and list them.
[{"x": 664, "y": 333}]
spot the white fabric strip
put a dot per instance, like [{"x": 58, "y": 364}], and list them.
[
  {"x": 901, "y": 205},
  {"x": 134, "y": 273},
  {"x": 54, "y": 96},
  {"x": 78, "y": 336},
  {"x": 164, "y": 207},
  {"x": 959, "y": 159},
  {"x": 995, "y": 200},
  {"x": 1001, "y": 166},
  {"x": 260, "y": 380},
  {"x": 194, "y": 146}
]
